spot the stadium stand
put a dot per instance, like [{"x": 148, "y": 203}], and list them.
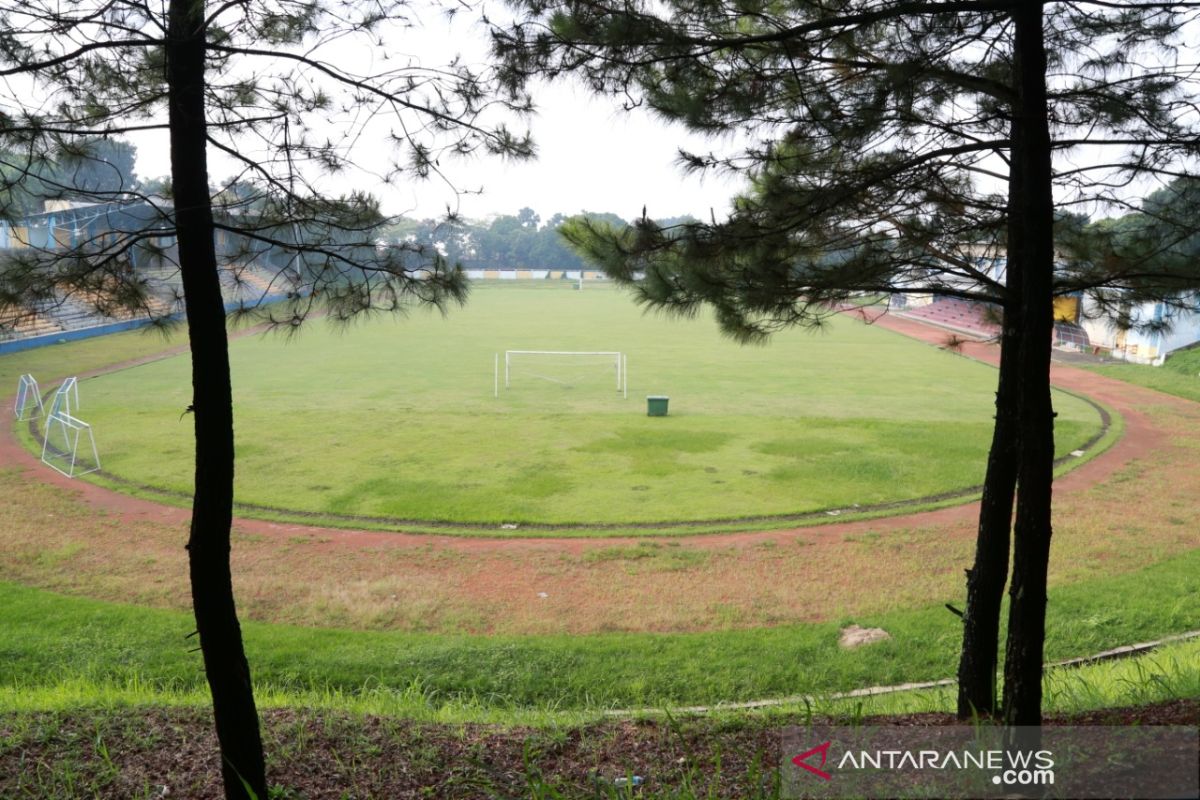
[
  {"x": 982, "y": 320},
  {"x": 67, "y": 224},
  {"x": 78, "y": 312},
  {"x": 35, "y": 325},
  {"x": 962, "y": 316}
]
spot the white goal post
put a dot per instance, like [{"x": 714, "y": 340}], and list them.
[
  {"x": 65, "y": 434},
  {"x": 618, "y": 362},
  {"x": 28, "y": 404},
  {"x": 62, "y": 398},
  {"x": 68, "y": 431}
]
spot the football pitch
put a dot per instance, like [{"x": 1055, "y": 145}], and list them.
[{"x": 394, "y": 420}]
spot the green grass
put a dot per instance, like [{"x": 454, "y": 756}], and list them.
[
  {"x": 52, "y": 362},
  {"x": 102, "y": 740},
  {"x": 1184, "y": 362},
  {"x": 50, "y": 639},
  {"x": 1167, "y": 673},
  {"x": 1179, "y": 375},
  {"x": 396, "y": 419}
]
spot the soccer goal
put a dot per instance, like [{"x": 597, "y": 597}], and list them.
[
  {"x": 28, "y": 404},
  {"x": 61, "y": 446},
  {"x": 62, "y": 398},
  {"x": 570, "y": 369}
]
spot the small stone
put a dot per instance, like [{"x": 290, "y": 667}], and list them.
[
  {"x": 1077, "y": 453},
  {"x": 857, "y": 636}
]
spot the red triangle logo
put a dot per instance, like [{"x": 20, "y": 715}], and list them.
[{"x": 801, "y": 761}]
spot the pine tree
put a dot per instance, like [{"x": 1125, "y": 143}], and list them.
[
  {"x": 257, "y": 82},
  {"x": 875, "y": 130}
]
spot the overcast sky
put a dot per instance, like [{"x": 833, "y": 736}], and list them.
[{"x": 592, "y": 155}]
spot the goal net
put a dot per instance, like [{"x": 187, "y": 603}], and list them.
[
  {"x": 62, "y": 398},
  {"x": 28, "y": 404},
  {"x": 69, "y": 446},
  {"x": 588, "y": 371}
]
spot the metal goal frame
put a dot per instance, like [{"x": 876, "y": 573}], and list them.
[{"x": 620, "y": 366}]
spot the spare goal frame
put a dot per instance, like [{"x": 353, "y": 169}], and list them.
[
  {"x": 29, "y": 399},
  {"x": 72, "y": 430},
  {"x": 62, "y": 398}
]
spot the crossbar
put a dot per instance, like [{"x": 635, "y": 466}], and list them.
[
  {"x": 74, "y": 423},
  {"x": 562, "y": 353}
]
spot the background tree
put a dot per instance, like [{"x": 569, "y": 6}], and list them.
[
  {"x": 266, "y": 85},
  {"x": 79, "y": 168},
  {"x": 506, "y": 241},
  {"x": 875, "y": 130}
]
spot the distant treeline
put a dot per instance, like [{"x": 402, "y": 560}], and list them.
[{"x": 505, "y": 242}]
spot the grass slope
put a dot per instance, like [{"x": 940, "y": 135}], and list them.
[
  {"x": 1179, "y": 374},
  {"x": 49, "y": 638},
  {"x": 397, "y": 419}
]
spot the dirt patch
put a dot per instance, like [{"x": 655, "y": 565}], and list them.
[{"x": 318, "y": 754}]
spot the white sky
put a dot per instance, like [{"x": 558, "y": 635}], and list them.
[{"x": 592, "y": 155}]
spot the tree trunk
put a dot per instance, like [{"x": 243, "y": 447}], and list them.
[
  {"x": 986, "y": 578},
  {"x": 225, "y": 663},
  {"x": 1032, "y": 530}
]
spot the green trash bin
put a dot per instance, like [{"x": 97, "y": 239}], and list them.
[{"x": 656, "y": 405}]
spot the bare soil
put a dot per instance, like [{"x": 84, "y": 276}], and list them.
[{"x": 171, "y": 752}]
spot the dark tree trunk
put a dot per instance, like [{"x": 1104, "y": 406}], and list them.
[
  {"x": 1032, "y": 530},
  {"x": 212, "y": 507},
  {"x": 986, "y": 578}
]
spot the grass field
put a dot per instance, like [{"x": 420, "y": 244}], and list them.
[
  {"x": 362, "y": 643},
  {"x": 51, "y": 639},
  {"x": 395, "y": 419},
  {"x": 1179, "y": 374}
]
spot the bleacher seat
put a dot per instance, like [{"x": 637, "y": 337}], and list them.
[{"x": 964, "y": 316}]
